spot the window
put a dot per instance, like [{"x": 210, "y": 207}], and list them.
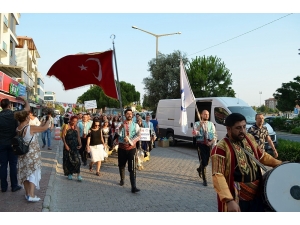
[
  {"x": 4, "y": 46},
  {"x": 48, "y": 98},
  {"x": 12, "y": 23},
  {"x": 5, "y": 20},
  {"x": 11, "y": 48},
  {"x": 220, "y": 115},
  {"x": 247, "y": 112}
]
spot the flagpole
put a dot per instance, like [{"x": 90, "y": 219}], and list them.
[{"x": 119, "y": 89}]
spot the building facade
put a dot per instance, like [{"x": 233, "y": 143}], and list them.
[
  {"x": 28, "y": 55},
  {"x": 10, "y": 72},
  {"x": 271, "y": 103}
]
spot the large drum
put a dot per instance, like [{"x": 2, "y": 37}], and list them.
[{"x": 281, "y": 188}]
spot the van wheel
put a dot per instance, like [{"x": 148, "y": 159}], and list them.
[{"x": 170, "y": 137}]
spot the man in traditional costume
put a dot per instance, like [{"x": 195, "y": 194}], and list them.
[
  {"x": 236, "y": 176},
  {"x": 206, "y": 138},
  {"x": 128, "y": 135}
]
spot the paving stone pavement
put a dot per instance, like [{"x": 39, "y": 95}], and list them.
[
  {"x": 15, "y": 201},
  {"x": 169, "y": 183}
]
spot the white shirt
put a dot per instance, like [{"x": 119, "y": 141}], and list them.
[{"x": 35, "y": 122}]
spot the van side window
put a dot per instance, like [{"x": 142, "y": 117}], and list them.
[{"x": 220, "y": 115}]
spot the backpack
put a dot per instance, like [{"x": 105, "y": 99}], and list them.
[{"x": 19, "y": 146}]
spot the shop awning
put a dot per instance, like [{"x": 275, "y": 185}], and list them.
[{"x": 10, "y": 98}]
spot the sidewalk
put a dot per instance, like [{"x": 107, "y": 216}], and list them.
[{"x": 15, "y": 201}]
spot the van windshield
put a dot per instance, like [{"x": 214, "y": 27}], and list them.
[{"x": 247, "y": 112}]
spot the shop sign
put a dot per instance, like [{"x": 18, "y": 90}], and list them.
[
  {"x": 1, "y": 80},
  {"x": 22, "y": 89},
  {"x": 14, "y": 89}
]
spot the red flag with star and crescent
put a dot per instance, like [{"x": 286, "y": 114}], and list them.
[{"x": 84, "y": 69}]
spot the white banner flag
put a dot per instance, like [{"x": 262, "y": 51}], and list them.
[{"x": 187, "y": 97}]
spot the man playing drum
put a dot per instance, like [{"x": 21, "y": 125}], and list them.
[{"x": 236, "y": 176}]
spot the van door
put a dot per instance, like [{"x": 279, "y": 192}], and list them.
[
  {"x": 203, "y": 105},
  {"x": 219, "y": 116}
]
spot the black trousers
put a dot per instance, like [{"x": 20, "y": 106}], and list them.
[
  {"x": 125, "y": 156},
  {"x": 255, "y": 205},
  {"x": 82, "y": 151},
  {"x": 204, "y": 152}
]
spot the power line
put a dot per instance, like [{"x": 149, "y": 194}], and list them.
[{"x": 243, "y": 34}]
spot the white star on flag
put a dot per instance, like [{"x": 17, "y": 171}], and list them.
[
  {"x": 82, "y": 67},
  {"x": 187, "y": 97}
]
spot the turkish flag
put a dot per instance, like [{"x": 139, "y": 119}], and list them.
[{"x": 84, "y": 69}]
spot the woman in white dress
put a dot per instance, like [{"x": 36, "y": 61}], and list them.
[
  {"x": 95, "y": 146},
  {"x": 29, "y": 165}
]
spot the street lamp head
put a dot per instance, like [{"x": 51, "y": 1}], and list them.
[
  {"x": 179, "y": 33},
  {"x": 134, "y": 27}
]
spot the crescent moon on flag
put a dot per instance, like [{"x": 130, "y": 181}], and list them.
[{"x": 99, "y": 77}]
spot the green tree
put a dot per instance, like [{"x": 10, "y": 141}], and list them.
[
  {"x": 209, "y": 77},
  {"x": 139, "y": 108},
  {"x": 163, "y": 81},
  {"x": 60, "y": 108},
  {"x": 128, "y": 94},
  {"x": 288, "y": 95}
]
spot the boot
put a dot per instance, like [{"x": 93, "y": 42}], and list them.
[
  {"x": 122, "y": 175},
  {"x": 133, "y": 183},
  {"x": 199, "y": 169},
  {"x": 204, "y": 175}
]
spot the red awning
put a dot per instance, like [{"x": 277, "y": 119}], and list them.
[{"x": 10, "y": 98}]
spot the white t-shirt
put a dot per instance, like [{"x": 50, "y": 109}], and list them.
[{"x": 35, "y": 122}]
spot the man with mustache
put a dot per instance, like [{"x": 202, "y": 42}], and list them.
[
  {"x": 236, "y": 176},
  {"x": 128, "y": 135}
]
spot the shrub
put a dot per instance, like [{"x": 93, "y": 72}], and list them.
[
  {"x": 296, "y": 130},
  {"x": 288, "y": 150}
]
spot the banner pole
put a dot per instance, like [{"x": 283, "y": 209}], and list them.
[{"x": 119, "y": 88}]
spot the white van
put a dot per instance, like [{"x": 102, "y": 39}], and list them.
[{"x": 168, "y": 115}]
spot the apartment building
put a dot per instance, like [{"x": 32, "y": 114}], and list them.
[
  {"x": 271, "y": 103},
  {"x": 28, "y": 55},
  {"x": 10, "y": 72}
]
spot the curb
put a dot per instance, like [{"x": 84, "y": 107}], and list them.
[{"x": 47, "y": 199}]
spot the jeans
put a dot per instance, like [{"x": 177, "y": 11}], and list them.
[
  {"x": 48, "y": 133},
  {"x": 7, "y": 156}
]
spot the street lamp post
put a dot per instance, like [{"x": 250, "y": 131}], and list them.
[
  {"x": 156, "y": 36},
  {"x": 260, "y": 98}
]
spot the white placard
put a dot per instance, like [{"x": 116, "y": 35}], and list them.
[
  {"x": 90, "y": 104},
  {"x": 145, "y": 134}
]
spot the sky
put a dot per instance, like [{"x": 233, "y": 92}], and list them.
[{"x": 259, "y": 61}]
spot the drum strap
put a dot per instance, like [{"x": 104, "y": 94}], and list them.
[
  {"x": 252, "y": 157},
  {"x": 255, "y": 160}
]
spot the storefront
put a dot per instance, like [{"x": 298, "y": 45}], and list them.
[{"x": 10, "y": 89}]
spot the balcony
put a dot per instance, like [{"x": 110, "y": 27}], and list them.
[{"x": 3, "y": 50}]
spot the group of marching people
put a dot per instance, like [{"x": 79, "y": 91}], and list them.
[{"x": 85, "y": 136}]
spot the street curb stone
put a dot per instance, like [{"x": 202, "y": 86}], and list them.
[{"x": 47, "y": 199}]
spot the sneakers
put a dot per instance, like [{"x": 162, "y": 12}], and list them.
[
  {"x": 33, "y": 199},
  {"x": 79, "y": 178},
  {"x": 43, "y": 146},
  {"x": 49, "y": 148},
  {"x": 70, "y": 177}
]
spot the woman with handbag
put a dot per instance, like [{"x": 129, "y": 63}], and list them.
[
  {"x": 29, "y": 164},
  {"x": 95, "y": 146},
  {"x": 72, "y": 144}
]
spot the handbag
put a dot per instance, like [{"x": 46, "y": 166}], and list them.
[{"x": 19, "y": 146}]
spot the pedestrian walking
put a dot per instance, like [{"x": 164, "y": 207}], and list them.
[
  {"x": 72, "y": 144},
  {"x": 156, "y": 128},
  {"x": 206, "y": 138},
  {"x": 95, "y": 146},
  {"x": 128, "y": 135},
  {"x": 30, "y": 163},
  {"x": 8, "y": 125},
  {"x": 48, "y": 131},
  {"x": 84, "y": 127}
]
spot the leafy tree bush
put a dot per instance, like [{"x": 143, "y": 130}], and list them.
[
  {"x": 296, "y": 130},
  {"x": 288, "y": 150}
]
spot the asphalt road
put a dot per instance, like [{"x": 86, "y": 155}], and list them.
[{"x": 288, "y": 136}]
